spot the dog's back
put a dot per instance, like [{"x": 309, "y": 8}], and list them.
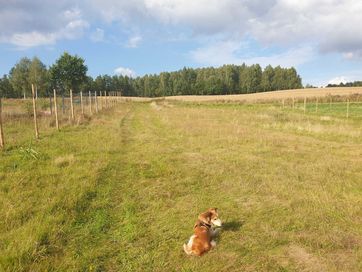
[{"x": 202, "y": 239}]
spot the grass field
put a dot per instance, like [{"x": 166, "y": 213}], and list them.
[{"x": 121, "y": 191}]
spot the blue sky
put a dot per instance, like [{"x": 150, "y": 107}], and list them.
[{"x": 322, "y": 39}]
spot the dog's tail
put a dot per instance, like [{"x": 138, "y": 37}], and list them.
[{"x": 187, "y": 250}]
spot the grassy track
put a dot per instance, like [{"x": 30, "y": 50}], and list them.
[{"x": 122, "y": 192}]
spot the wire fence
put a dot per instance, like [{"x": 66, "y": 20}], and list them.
[
  {"x": 24, "y": 118},
  {"x": 337, "y": 106}
]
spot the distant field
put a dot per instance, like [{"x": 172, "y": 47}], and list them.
[
  {"x": 264, "y": 96},
  {"x": 121, "y": 190},
  {"x": 276, "y": 95}
]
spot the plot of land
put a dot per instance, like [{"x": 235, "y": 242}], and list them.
[{"x": 122, "y": 191}]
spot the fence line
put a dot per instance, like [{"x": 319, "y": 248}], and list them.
[
  {"x": 73, "y": 107},
  {"x": 318, "y": 105},
  {"x": 34, "y": 110},
  {"x": 81, "y": 103},
  {"x": 96, "y": 101},
  {"x": 45, "y": 110},
  {"x": 71, "y": 104},
  {"x": 56, "y": 110}
]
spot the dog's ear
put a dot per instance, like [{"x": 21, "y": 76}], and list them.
[
  {"x": 205, "y": 217},
  {"x": 213, "y": 210}
]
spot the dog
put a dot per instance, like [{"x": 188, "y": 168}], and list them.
[{"x": 204, "y": 232}]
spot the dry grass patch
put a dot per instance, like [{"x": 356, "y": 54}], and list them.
[
  {"x": 64, "y": 161},
  {"x": 306, "y": 261}
]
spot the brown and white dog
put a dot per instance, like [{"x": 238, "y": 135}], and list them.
[{"x": 204, "y": 232}]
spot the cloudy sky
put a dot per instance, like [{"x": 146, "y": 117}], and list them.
[{"x": 322, "y": 39}]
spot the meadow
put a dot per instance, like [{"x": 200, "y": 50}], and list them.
[{"x": 121, "y": 190}]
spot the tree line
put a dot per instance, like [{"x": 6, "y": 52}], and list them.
[
  {"x": 347, "y": 84},
  {"x": 70, "y": 72}
]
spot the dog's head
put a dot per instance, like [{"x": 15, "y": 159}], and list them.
[{"x": 211, "y": 217}]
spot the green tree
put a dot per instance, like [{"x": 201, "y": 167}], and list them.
[
  {"x": 231, "y": 78},
  {"x": 19, "y": 78},
  {"x": 267, "y": 79},
  {"x": 87, "y": 85},
  {"x": 38, "y": 75},
  {"x": 293, "y": 79},
  {"x": 68, "y": 72},
  {"x": 6, "y": 89}
]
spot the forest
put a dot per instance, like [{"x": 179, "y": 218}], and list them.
[{"x": 70, "y": 72}]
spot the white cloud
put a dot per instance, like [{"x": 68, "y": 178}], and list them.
[
  {"x": 26, "y": 24},
  {"x": 331, "y": 25},
  {"x": 203, "y": 16},
  {"x": 118, "y": 10},
  {"x": 97, "y": 35},
  {"x": 134, "y": 41},
  {"x": 217, "y": 54},
  {"x": 290, "y": 58},
  {"x": 125, "y": 72},
  {"x": 338, "y": 80},
  {"x": 73, "y": 29},
  {"x": 231, "y": 52},
  {"x": 30, "y": 39}
]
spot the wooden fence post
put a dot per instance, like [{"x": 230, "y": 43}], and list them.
[
  {"x": 305, "y": 104},
  {"x": 100, "y": 101},
  {"x": 63, "y": 105},
  {"x": 50, "y": 104},
  {"x": 34, "y": 110},
  {"x": 56, "y": 109},
  {"x": 71, "y": 104},
  {"x": 96, "y": 100},
  {"x": 1, "y": 127},
  {"x": 90, "y": 102},
  {"x": 105, "y": 99},
  {"x": 81, "y": 102},
  {"x": 347, "y": 114}
]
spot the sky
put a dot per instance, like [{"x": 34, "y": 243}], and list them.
[{"x": 321, "y": 39}]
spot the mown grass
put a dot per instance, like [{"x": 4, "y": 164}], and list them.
[{"x": 122, "y": 192}]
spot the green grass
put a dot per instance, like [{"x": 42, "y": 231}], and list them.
[{"x": 122, "y": 192}]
